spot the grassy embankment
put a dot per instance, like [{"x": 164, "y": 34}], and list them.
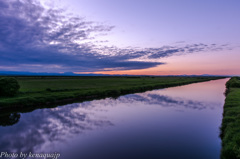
[
  {"x": 43, "y": 91},
  {"x": 230, "y": 129}
]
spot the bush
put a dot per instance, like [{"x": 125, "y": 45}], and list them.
[
  {"x": 233, "y": 82},
  {"x": 8, "y": 86},
  {"x": 49, "y": 89}
]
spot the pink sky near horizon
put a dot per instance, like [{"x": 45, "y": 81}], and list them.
[{"x": 215, "y": 63}]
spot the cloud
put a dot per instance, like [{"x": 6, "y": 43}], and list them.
[
  {"x": 161, "y": 52},
  {"x": 34, "y": 38},
  {"x": 165, "y": 101},
  {"x": 32, "y": 35}
]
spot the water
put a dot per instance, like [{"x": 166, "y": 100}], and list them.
[{"x": 174, "y": 123}]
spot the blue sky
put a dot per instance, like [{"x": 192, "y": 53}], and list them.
[
  {"x": 150, "y": 23},
  {"x": 120, "y": 37}
]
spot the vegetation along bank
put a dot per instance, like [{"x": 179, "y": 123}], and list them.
[
  {"x": 38, "y": 92},
  {"x": 230, "y": 129}
]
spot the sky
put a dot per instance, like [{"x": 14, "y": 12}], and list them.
[{"x": 137, "y": 37}]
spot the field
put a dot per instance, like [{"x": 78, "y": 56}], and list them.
[
  {"x": 230, "y": 129},
  {"x": 38, "y": 92}
]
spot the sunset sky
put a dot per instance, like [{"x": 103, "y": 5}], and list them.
[{"x": 138, "y": 37}]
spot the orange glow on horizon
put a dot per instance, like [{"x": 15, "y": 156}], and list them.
[{"x": 213, "y": 63}]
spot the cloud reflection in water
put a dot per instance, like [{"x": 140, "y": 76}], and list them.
[{"x": 84, "y": 127}]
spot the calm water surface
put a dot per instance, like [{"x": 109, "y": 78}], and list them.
[{"x": 174, "y": 123}]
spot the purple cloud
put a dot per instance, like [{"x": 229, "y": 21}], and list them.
[{"x": 33, "y": 38}]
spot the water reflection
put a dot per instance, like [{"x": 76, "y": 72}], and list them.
[
  {"x": 142, "y": 125},
  {"x": 39, "y": 129},
  {"x": 149, "y": 98},
  {"x": 9, "y": 119},
  {"x": 167, "y": 101}
]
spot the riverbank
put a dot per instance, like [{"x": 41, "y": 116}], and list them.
[
  {"x": 230, "y": 129},
  {"x": 39, "y": 92}
]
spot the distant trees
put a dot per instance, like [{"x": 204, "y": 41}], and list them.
[{"x": 8, "y": 86}]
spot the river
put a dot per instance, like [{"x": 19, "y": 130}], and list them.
[{"x": 173, "y": 123}]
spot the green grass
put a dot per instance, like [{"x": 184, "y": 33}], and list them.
[
  {"x": 38, "y": 92},
  {"x": 230, "y": 129}
]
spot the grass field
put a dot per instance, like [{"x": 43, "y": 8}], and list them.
[
  {"x": 42, "y": 91},
  {"x": 230, "y": 129}
]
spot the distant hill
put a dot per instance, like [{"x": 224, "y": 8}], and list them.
[
  {"x": 18, "y": 73},
  {"x": 15, "y": 73}
]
